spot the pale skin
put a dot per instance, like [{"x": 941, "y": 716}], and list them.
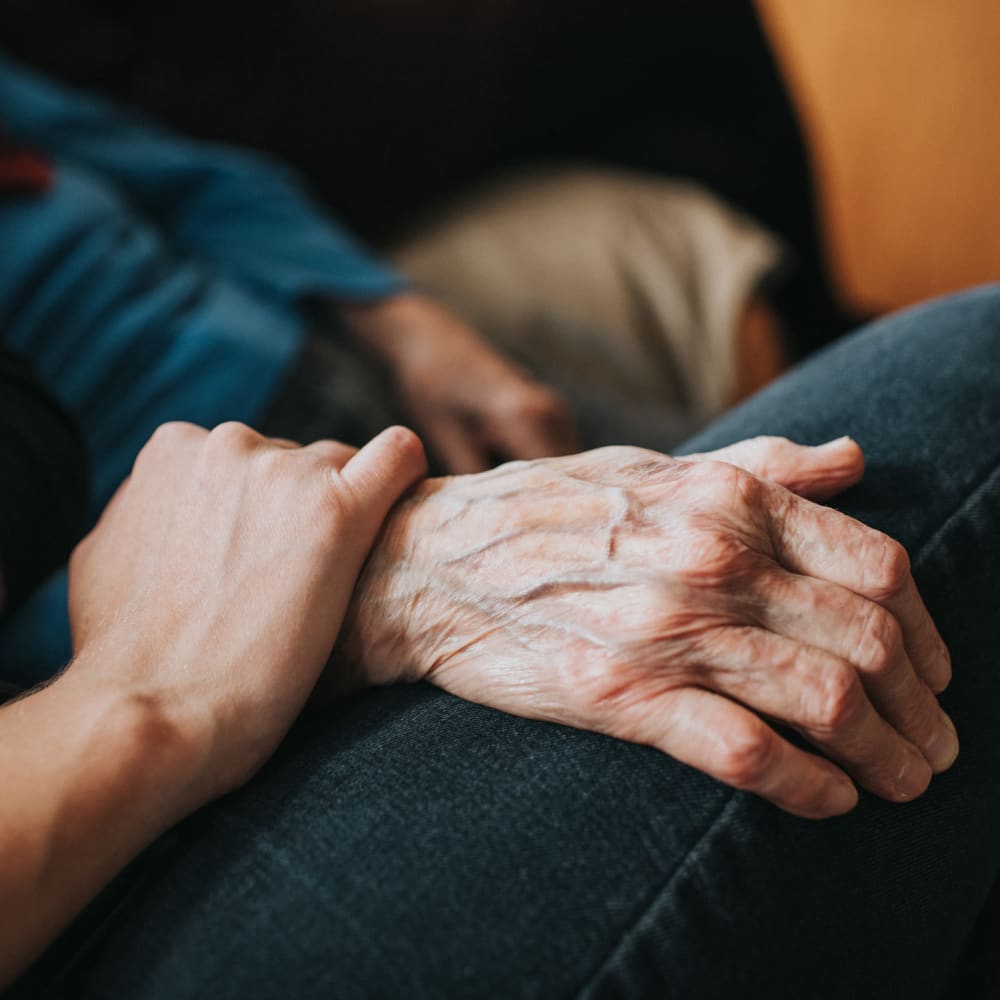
[
  {"x": 686, "y": 604},
  {"x": 203, "y": 607}
]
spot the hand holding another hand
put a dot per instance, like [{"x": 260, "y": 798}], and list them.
[
  {"x": 214, "y": 585},
  {"x": 674, "y": 602}
]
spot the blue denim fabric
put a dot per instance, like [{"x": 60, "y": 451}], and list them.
[{"x": 413, "y": 845}]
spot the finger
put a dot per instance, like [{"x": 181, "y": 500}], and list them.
[
  {"x": 822, "y": 696},
  {"x": 724, "y": 740},
  {"x": 867, "y": 636},
  {"x": 535, "y": 423},
  {"x": 823, "y": 543},
  {"x": 924, "y": 644},
  {"x": 383, "y": 470},
  {"x": 457, "y": 446},
  {"x": 284, "y": 443},
  {"x": 816, "y": 472},
  {"x": 336, "y": 453}
]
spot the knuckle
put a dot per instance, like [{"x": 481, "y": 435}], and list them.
[
  {"x": 745, "y": 758},
  {"x": 890, "y": 568},
  {"x": 234, "y": 435},
  {"x": 724, "y": 486},
  {"x": 170, "y": 431},
  {"x": 714, "y": 560},
  {"x": 839, "y": 700},
  {"x": 171, "y": 434},
  {"x": 712, "y": 477},
  {"x": 880, "y": 642},
  {"x": 168, "y": 441}
]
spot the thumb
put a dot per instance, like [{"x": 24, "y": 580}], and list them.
[
  {"x": 383, "y": 470},
  {"x": 815, "y": 472}
]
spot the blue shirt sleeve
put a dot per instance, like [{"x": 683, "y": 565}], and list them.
[{"x": 241, "y": 212}]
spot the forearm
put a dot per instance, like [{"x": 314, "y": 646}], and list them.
[
  {"x": 243, "y": 211},
  {"x": 381, "y": 639},
  {"x": 90, "y": 776},
  {"x": 203, "y": 607}
]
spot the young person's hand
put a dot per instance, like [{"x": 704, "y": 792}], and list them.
[
  {"x": 217, "y": 579},
  {"x": 204, "y": 606},
  {"x": 473, "y": 406},
  {"x": 674, "y": 602}
]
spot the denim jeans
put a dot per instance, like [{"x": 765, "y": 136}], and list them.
[{"x": 410, "y": 844}]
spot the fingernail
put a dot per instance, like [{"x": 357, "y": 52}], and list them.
[
  {"x": 943, "y": 748},
  {"x": 914, "y": 776},
  {"x": 841, "y": 797},
  {"x": 836, "y": 442}
]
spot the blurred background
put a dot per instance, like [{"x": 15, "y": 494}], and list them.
[{"x": 879, "y": 114}]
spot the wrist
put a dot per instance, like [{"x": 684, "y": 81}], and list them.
[
  {"x": 388, "y": 634},
  {"x": 92, "y": 773},
  {"x": 157, "y": 746}
]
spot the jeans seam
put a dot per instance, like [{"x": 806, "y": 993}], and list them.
[
  {"x": 927, "y": 547},
  {"x": 727, "y": 806}
]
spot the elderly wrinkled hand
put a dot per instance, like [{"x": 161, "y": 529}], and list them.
[
  {"x": 690, "y": 604},
  {"x": 473, "y": 406}
]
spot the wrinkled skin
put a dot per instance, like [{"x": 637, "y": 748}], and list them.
[{"x": 683, "y": 603}]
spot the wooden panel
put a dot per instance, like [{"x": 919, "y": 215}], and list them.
[{"x": 901, "y": 103}]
